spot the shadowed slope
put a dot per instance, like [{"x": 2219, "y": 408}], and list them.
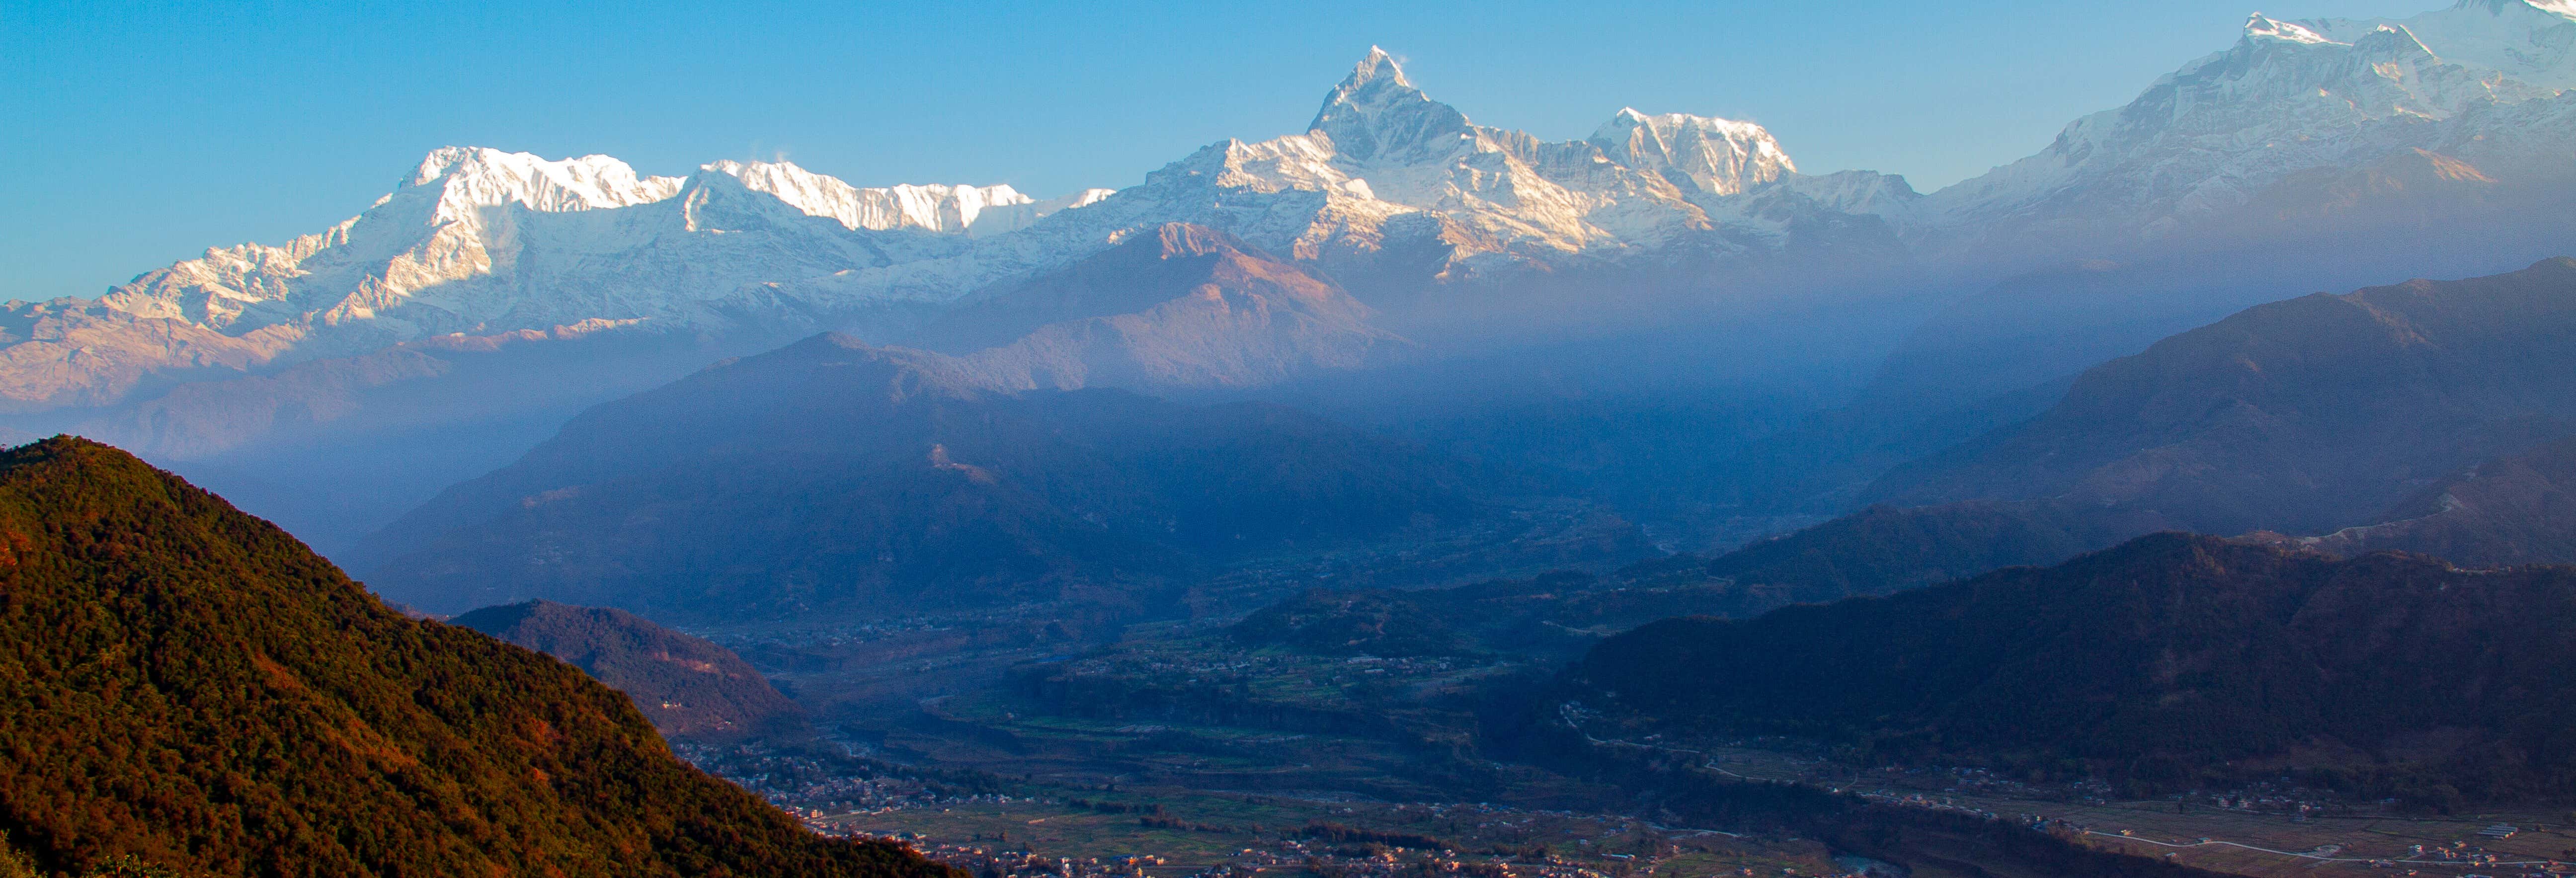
[
  {"x": 830, "y": 476},
  {"x": 2297, "y": 416},
  {"x": 2165, "y": 658},
  {"x": 688, "y": 687},
  {"x": 2518, "y": 509}
]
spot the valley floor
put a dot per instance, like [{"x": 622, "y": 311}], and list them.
[{"x": 2265, "y": 831}]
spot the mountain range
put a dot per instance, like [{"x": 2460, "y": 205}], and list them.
[
  {"x": 1385, "y": 183},
  {"x": 491, "y": 294}
]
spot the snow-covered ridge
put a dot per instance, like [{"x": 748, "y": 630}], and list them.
[
  {"x": 2530, "y": 41},
  {"x": 978, "y": 210},
  {"x": 2261, "y": 27},
  {"x": 1383, "y": 185},
  {"x": 1717, "y": 156},
  {"x": 478, "y": 240},
  {"x": 472, "y": 178},
  {"x": 2289, "y": 96}
]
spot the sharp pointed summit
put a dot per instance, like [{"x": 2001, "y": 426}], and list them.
[
  {"x": 1377, "y": 113},
  {"x": 1377, "y": 65}
]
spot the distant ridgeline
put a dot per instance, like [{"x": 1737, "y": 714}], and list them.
[
  {"x": 832, "y": 476},
  {"x": 2172, "y": 660},
  {"x": 186, "y": 686},
  {"x": 2426, "y": 416}
]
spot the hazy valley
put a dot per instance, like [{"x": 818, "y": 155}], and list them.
[{"x": 1401, "y": 497}]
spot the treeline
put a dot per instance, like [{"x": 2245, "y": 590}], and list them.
[
  {"x": 1106, "y": 807},
  {"x": 1337, "y": 833}
]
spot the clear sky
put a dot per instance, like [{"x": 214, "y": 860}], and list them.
[{"x": 138, "y": 133}]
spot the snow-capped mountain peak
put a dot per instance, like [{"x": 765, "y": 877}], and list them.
[
  {"x": 2289, "y": 97},
  {"x": 1385, "y": 185},
  {"x": 2532, "y": 42},
  {"x": 468, "y": 179},
  {"x": 2261, "y": 27},
  {"x": 2561, "y": 8},
  {"x": 1377, "y": 114},
  {"x": 1715, "y": 156}
]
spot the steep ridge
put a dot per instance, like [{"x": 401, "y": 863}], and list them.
[
  {"x": 2294, "y": 416},
  {"x": 188, "y": 686},
  {"x": 1884, "y": 549},
  {"x": 2176, "y": 660},
  {"x": 2517, "y": 509},
  {"x": 832, "y": 476},
  {"x": 690, "y": 688}
]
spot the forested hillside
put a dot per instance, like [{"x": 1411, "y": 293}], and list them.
[{"x": 186, "y": 685}]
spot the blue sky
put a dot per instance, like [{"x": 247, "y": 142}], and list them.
[{"x": 135, "y": 134}]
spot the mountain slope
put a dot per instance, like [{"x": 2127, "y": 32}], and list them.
[
  {"x": 2289, "y": 97},
  {"x": 2518, "y": 509},
  {"x": 832, "y": 476},
  {"x": 2294, "y": 416},
  {"x": 187, "y": 685},
  {"x": 1881, "y": 549},
  {"x": 2164, "y": 659},
  {"x": 688, "y": 687},
  {"x": 1179, "y": 306}
]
